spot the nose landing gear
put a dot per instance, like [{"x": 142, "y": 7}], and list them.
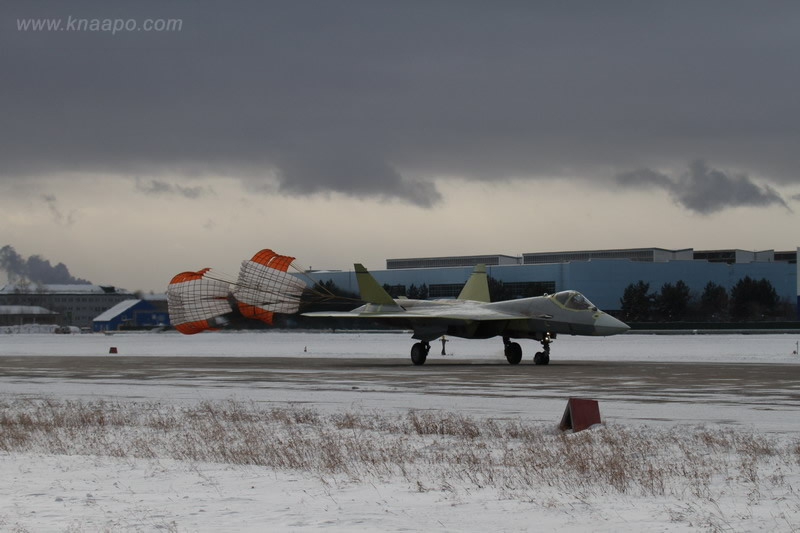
[{"x": 543, "y": 357}]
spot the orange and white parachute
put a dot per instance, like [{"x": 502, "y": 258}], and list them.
[
  {"x": 200, "y": 300},
  {"x": 265, "y": 287},
  {"x": 197, "y": 302}
]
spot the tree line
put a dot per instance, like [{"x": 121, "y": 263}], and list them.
[
  {"x": 413, "y": 292},
  {"x": 748, "y": 300}
]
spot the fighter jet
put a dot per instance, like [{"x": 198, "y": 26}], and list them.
[{"x": 473, "y": 316}]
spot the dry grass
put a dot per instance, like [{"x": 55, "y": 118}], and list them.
[{"x": 432, "y": 450}]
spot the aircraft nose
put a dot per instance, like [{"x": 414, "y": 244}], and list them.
[{"x": 608, "y": 325}]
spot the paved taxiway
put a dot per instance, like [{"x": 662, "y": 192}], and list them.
[{"x": 762, "y": 396}]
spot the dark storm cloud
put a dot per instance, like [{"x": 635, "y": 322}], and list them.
[
  {"x": 348, "y": 173},
  {"x": 705, "y": 190},
  {"x": 34, "y": 269},
  {"x": 157, "y": 187},
  {"x": 377, "y": 99}
]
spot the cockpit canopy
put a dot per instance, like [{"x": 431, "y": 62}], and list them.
[{"x": 574, "y": 300}]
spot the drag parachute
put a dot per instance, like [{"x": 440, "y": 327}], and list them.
[
  {"x": 206, "y": 299},
  {"x": 265, "y": 287},
  {"x": 197, "y": 302}
]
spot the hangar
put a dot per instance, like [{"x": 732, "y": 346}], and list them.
[
  {"x": 602, "y": 275},
  {"x": 132, "y": 313}
]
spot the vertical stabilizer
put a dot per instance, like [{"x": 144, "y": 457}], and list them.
[
  {"x": 370, "y": 291},
  {"x": 477, "y": 286}
]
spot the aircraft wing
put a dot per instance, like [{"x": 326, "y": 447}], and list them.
[{"x": 445, "y": 313}]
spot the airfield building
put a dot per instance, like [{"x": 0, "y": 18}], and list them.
[
  {"x": 454, "y": 261},
  {"x": 602, "y": 275},
  {"x": 19, "y": 315},
  {"x": 650, "y": 255},
  {"x": 133, "y": 314},
  {"x": 73, "y": 305}
]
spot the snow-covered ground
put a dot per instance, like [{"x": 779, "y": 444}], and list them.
[
  {"x": 88, "y": 493},
  {"x": 630, "y": 347},
  {"x": 231, "y": 466},
  {"x": 45, "y": 491}
]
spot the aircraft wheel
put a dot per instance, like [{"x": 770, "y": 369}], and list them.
[
  {"x": 540, "y": 358},
  {"x": 419, "y": 354},
  {"x": 513, "y": 353}
]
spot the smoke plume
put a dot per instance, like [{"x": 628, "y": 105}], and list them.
[{"x": 35, "y": 269}]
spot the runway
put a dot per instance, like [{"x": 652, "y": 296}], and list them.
[{"x": 762, "y": 396}]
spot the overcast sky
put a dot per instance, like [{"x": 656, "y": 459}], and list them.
[{"x": 342, "y": 131}]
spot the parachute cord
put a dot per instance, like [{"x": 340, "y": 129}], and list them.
[
  {"x": 328, "y": 293},
  {"x": 315, "y": 282},
  {"x": 321, "y": 291},
  {"x": 317, "y": 289}
]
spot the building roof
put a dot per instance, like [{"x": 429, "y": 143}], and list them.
[
  {"x": 450, "y": 257},
  {"x": 115, "y": 311},
  {"x": 35, "y": 288},
  {"x": 450, "y": 261},
  {"x": 646, "y": 249},
  {"x": 25, "y": 310}
]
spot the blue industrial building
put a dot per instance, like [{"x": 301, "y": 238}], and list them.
[
  {"x": 602, "y": 280},
  {"x": 131, "y": 314}
]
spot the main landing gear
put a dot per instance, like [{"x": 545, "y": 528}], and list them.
[
  {"x": 514, "y": 352},
  {"x": 419, "y": 353}
]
